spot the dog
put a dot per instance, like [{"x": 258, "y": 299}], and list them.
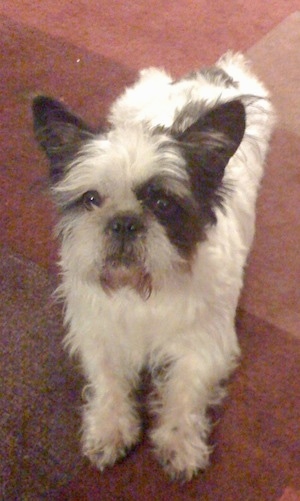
[{"x": 156, "y": 220}]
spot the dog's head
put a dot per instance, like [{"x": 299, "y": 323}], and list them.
[{"x": 135, "y": 201}]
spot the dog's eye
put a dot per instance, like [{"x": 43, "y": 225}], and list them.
[
  {"x": 91, "y": 199},
  {"x": 163, "y": 205}
]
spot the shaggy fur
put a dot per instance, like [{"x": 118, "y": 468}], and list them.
[{"x": 157, "y": 219}]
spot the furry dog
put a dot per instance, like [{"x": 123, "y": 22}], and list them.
[{"x": 157, "y": 218}]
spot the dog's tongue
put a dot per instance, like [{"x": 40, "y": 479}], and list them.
[{"x": 134, "y": 277}]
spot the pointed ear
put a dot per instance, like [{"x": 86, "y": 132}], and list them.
[
  {"x": 216, "y": 135},
  {"x": 59, "y": 132},
  {"x": 207, "y": 144}
]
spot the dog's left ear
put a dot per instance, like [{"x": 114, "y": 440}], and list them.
[
  {"x": 212, "y": 138},
  {"x": 59, "y": 132}
]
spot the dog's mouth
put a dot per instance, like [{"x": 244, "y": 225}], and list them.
[{"x": 124, "y": 271}]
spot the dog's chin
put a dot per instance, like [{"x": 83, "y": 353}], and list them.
[{"x": 117, "y": 275}]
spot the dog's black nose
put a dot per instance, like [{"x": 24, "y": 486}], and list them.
[{"x": 125, "y": 226}]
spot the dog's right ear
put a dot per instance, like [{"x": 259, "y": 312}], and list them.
[{"x": 59, "y": 132}]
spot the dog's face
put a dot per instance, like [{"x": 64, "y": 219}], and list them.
[{"x": 136, "y": 201}]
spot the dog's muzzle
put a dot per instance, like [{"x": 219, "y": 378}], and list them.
[
  {"x": 124, "y": 232},
  {"x": 124, "y": 264}
]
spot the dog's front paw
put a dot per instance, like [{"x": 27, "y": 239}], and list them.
[
  {"x": 182, "y": 451},
  {"x": 107, "y": 438}
]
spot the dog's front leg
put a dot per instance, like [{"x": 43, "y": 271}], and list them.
[
  {"x": 183, "y": 395},
  {"x": 111, "y": 424}
]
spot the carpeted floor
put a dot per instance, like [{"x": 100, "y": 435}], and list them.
[
  {"x": 39, "y": 388},
  {"x": 84, "y": 53}
]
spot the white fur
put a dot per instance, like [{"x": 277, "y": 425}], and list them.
[{"x": 187, "y": 324}]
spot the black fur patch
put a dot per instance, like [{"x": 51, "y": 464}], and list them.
[
  {"x": 207, "y": 146},
  {"x": 213, "y": 75},
  {"x": 178, "y": 215},
  {"x": 59, "y": 132},
  {"x": 206, "y": 181},
  {"x": 218, "y": 76}
]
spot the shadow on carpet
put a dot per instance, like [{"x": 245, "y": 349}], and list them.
[{"x": 40, "y": 406}]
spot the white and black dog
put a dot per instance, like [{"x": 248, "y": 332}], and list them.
[{"x": 156, "y": 221}]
